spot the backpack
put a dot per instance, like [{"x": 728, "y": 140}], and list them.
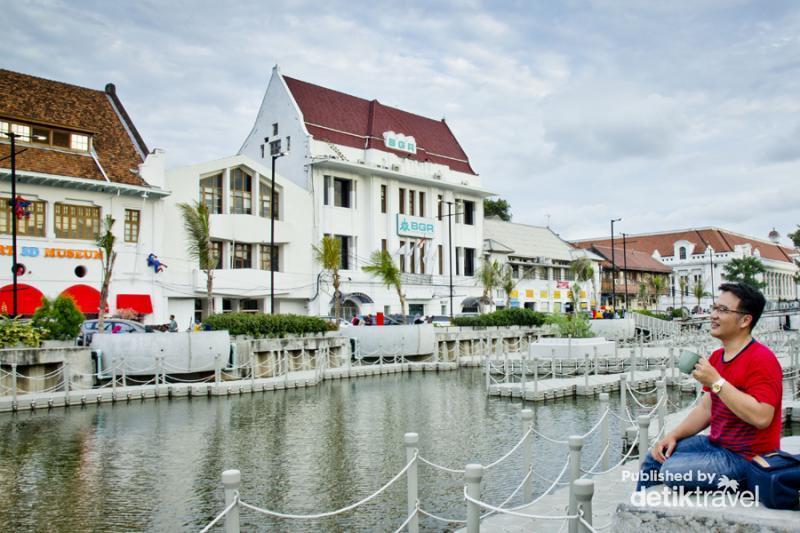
[{"x": 777, "y": 476}]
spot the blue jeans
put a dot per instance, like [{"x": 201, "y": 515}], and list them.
[{"x": 695, "y": 463}]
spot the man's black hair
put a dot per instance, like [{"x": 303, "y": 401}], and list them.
[{"x": 751, "y": 300}]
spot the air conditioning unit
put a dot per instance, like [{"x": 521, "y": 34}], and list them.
[{"x": 396, "y": 168}]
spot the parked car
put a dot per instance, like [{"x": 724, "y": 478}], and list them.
[
  {"x": 441, "y": 320},
  {"x": 110, "y": 325}
]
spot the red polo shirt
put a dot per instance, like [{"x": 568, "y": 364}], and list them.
[{"x": 754, "y": 371}]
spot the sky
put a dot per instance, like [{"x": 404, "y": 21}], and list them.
[{"x": 669, "y": 115}]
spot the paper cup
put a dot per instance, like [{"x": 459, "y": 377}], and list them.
[{"x": 687, "y": 361}]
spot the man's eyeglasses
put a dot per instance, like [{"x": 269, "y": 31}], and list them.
[{"x": 724, "y": 310}]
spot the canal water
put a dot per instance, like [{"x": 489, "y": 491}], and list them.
[{"x": 156, "y": 465}]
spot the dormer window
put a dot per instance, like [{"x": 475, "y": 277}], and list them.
[
  {"x": 682, "y": 252},
  {"x": 46, "y": 136}
]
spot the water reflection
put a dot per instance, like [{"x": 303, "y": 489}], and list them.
[{"x": 155, "y": 466}]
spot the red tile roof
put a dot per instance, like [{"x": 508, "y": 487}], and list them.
[
  {"x": 635, "y": 259},
  {"x": 344, "y": 119},
  {"x": 720, "y": 240},
  {"x": 100, "y": 113}
]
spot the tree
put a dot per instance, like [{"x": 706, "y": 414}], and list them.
[
  {"x": 105, "y": 241},
  {"x": 497, "y": 208},
  {"x": 198, "y": 246},
  {"x": 583, "y": 271},
  {"x": 383, "y": 267},
  {"x": 683, "y": 283},
  {"x": 699, "y": 291},
  {"x": 328, "y": 255},
  {"x": 658, "y": 284},
  {"x": 642, "y": 294},
  {"x": 795, "y": 237},
  {"x": 745, "y": 270},
  {"x": 60, "y": 317},
  {"x": 489, "y": 275}
]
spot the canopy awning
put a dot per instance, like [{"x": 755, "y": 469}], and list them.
[
  {"x": 140, "y": 303},
  {"x": 86, "y": 298},
  {"x": 28, "y": 299},
  {"x": 471, "y": 301},
  {"x": 358, "y": 297}
]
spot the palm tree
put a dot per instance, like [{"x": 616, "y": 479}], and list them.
[
  {"x": 489, "y": 275},
  {"x": 506, "y": 281},
  {"x": 699, "y": 291},
  {"x": 198, "y": 246},
  {"x": 583, "y": 271},
  {"x": 745, "y": 270},
  {"x": 657, "y": 283},
  {"x": 642, "y": 294},
  {"x": 328, "y": 255},
  {"x": 105, "y": 241},
  {"x": 382, "y": 266},
  {"x": 682, "y": 284}
]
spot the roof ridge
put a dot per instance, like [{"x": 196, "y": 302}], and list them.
[{"x": 83, "y": 87}]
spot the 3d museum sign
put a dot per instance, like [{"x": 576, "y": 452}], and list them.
[{"x": 55, "y": 253}]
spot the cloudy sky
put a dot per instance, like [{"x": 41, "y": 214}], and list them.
[{"x": 668, "y": 114}]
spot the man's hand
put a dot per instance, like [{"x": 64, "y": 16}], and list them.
[
  {"x": 705, "y": 373},
  {"x": 663, "y": 448}
]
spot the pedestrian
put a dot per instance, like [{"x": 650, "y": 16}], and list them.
[{"x": 173, "y": 325}]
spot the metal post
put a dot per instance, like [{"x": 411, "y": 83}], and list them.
[
  {"x": 488, "y": 367},
  {"x": 632, "y": 359},
  {"x": 473, "y": 473},
  {"x": 67, "y": 374},
  {"x": 623, "y": 393},
  {"x": 527, "y": 454},
  {"x": 663, "y": 370},
  {"x": 14, "y": 381},
  {"x": 662, "y": 407},
  {"x": 575, "y": 445},
  {"x": 535, "y": 376},
  {"x": 124, "y": 372},
  {"x": 569, "y": 346},
  {"x": 584, "y": 492},
  {"x": 13, "y": 137},
  {"x": 586, "y": 370},
  {"x": 286, "y": 367},
  {"x": 231, "y": 479},
  {"x": 217, "y": 370},
  {"x": 410, "y": 441},
  {"x": 506, "y": 366},
  {"x": 113, "y": 377},
  {"x": 450, "y": 252},
  {"x": 596, "y": 362},
  {"x": 604, "y": 401},
  {"x": 522, "y": 378},
  {"x": 644, "y": 437}
]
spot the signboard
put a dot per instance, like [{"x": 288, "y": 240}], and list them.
[
  {"x": 398, "y": 141},
  {"x": 562, "y": 284},
  {"x": 56, "y": 253},
  {"x": 528, "y": 293},
  {"x": 408, "y": 226}
]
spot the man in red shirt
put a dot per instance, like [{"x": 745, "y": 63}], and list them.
[{"x": 743, "y": 384}]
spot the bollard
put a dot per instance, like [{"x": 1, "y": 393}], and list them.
[
  {"x": 506, "y": 368},
  {"x": 584, "y": 492},
  {"x": 66, "y": 372},
  {"x": 633, "y": 366},
  {"x": 113, "y": 377},
  {"x": 596, "y": 362},
  {"x": 124, "y": 372},
  {"x": 285, "y": 368},
  {"x": 575, "y": 445},
  {"x": 527, "y": 454},
  {"x": 672, "y": 364},
  {"x": 522, "y": 377},
  {"x": 604, "y": 400},
  {"x": 14, "y": 382},
  {"x": 473, "y": 473},
  {"x": 644, "y": 437},
  {"x": 663, "y": 370},
  {"x": 662, "y": 407},
  {"x": 410, "y": 441},
  {"x": 231, "y": 479},
  {"x": 623, "y": 394},
  {"x": 586, "y": 371},
  {"x": 488, "y": 366},
  {"x": 535, "y": 377},
  {"x": 217, "y": 370}
]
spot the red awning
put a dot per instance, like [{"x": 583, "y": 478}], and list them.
[
  {"x": 86, "y": 298},
  {"x": 28, "y": 299},
  {"x": 138, "y": 302}
]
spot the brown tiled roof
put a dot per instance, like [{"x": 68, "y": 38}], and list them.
[
  {"x": 635, "y": 259},
  {"x": 720, "y": 240},
  {"x": 46, "y": 102}
]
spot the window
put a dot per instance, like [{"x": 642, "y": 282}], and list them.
[
  {"x": 459, "y": 211},
  {"x": 341, "y": 192},
  {"x": 241, "y": 192},
  {"x": 422, "y": 258},
  {"x": 383, "y": 198},
  {"x": 266, "y": 198},
  {"x": 269, "y": 259},
  {"x": 33, "y": 226},
  {"x": 469, "y": 261},
  {"x": 241, "y": 255},
  {"x": 384, "y": 245},
  {"x": 79, "y": 142},
  {"x": 275, "y": 129},
  {"x": 458, "y": 261},
  {"x": 76, "y": 221},
  {"x": 326, "y": 186},
  {"x": 132, "y": 217},
  {"x": 469, "y": 213},
  {"x": 411, "y": 202},
  {"x": 47, "y": 136},
  {"x": 22, "y": 130},
  {"x": 402, "y": 257},
  {"x": 439, "y": 204},
  {"x": 275, "y": 147},
  {"x": 402, "y": 206},
  {"x": 41, "y": 135},
  {"x": 61, "y": 139},
  {"x": 441, "y": 260},
  {"x": 344, "y": 245},
  {"x": 211, "y": 193},
  {"x": 421, "y": 204},
  {"x": 682, "y": 252},
  {"x": 216, "y": 254},
  {"x": 413, "y": 262},
  {"x": 288, "y": 143}
]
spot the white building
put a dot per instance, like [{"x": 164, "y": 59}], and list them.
[
  {"x": 373, "y": 176},
  {"x": 79, "y": 158},
  {"x": 540, "y": 262}
]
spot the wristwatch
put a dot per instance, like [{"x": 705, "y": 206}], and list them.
[{"x": 717, "y": 385}]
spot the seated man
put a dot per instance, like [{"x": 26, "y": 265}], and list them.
[{"x": 742, "y": 402}]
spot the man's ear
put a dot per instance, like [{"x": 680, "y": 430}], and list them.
[{"x": 746, "y": 321}]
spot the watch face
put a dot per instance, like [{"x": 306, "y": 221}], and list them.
[{"x": 716, "y": 387}]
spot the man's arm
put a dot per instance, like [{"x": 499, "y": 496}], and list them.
[{"x": 696, "y": 421}]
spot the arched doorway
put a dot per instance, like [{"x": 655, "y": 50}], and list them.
[
  {"x": 86, "y": 298},
  {"x": 352, "y": 304},
  {"x": 28, "y": 299}
]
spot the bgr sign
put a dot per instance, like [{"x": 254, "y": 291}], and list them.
[{"x": 409, "y": 226}]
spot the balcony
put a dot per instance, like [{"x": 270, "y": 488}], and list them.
[{"x": 633, "y": 286}]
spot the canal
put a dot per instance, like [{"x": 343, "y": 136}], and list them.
[{"x": 156, "y": 465}]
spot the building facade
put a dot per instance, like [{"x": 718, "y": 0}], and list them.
[{"x": 78, "y": 158}]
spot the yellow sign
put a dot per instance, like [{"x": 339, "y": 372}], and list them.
[
  {"x": 583, "y": 294},
  {"x": 542, "y": 294},
  {"x": 528, "y": 293},
  {"x": 556, "y": 294},
  {"x": 515, "y": 293}
]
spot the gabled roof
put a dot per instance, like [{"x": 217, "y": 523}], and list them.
[
  {"x": 344, "y": 119},
  {"x": 117, "y": 144},
  {"x": 635, "y": 259},
  {"x": 527, "y": 241},
  {"x": 720, "y": 240}
]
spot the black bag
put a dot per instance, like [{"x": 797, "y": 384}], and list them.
[{"x": 777, "y": 476}]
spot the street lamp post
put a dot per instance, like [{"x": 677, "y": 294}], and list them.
[
  {"x": 613, "y": 268},
  {"x": 450, "y": 252},
  {"x": 276, "y": 153},
  {"x": 13, "y": 205},
  {"x": 625, "y": 268}
]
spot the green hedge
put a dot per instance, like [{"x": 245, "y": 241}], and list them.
[
  {"x": 516, "y": 316},
  {"x": 15, "y": 332},
  {"x": 575, "y": 326},
  {"x": 261, "y": 325},
  {"x": 661, "y": 316}
]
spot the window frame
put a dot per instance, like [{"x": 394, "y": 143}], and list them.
[
  {"x": 130, "y": 224},
  {"x": 211, "y": 196},
  {"x": 243, "y": 195},
  {"x": 25, "y": 225},
  {"x": 239, "y": 261},
  {"x": 78, "y": 213}
]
